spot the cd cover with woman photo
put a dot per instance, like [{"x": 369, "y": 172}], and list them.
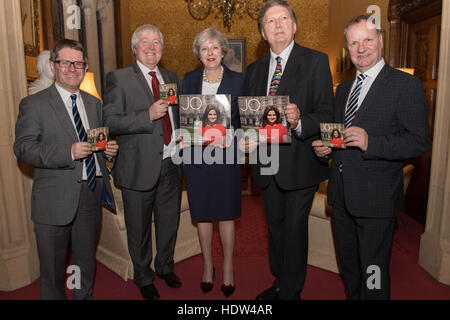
[
  {"x": 332, "y": 135},
  {"x": 205, "y": 119},
  {"x": 169, "y": 92},
  {"x": 98, "y": 138},
  {"x": 263, "y": 118}
]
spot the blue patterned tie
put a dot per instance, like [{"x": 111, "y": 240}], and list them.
[
  {"x": 276, "y": 78},
  {"x": 89, "y": 162},
  {"x": 352, "y": 105}
]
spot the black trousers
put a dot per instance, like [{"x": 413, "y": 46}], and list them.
[
  {"x": 165, "y": 201},
  {"x": 364, "y": 248},
  {"x": 287, "y": 215},
  {"x": 53, "y": 244}
]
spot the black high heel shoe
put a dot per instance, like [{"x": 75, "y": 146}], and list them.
[
  {"x": 207, "y": 286},
  {"x": 227, "y": 290}
]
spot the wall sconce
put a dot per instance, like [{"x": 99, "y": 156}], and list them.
[
  {"x": 200, "y": 9},
  {"x": 88, "y": 85},
  {"x": 407, "y": 70}
]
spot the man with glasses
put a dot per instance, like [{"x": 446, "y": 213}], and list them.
[
  {"x": 303, "y": 75},
  {"x": 69, "y": 178}
]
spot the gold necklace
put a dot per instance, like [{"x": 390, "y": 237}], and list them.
[{"x": 219, "y": 78}]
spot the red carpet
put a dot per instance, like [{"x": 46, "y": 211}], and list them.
[{"x": 409, "y": 280}]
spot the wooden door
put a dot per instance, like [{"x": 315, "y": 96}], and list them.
[
  {"x": 415, "y": 35},
  {"x": 423, "y": 56}
]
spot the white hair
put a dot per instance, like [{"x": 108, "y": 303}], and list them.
[{"x": 145, "y": 27}]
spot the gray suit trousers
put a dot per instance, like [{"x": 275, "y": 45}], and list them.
[
  {"x": 53, "y": 243},
  {"x": 164, "y": 201}
]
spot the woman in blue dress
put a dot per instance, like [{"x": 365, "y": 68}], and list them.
[{"x": 214, "y": 190}]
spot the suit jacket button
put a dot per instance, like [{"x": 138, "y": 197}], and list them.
[{"x": 79, "y": 180}]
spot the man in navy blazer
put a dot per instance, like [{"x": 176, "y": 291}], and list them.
[
  {"x": 385, "y": 114},
  {"x": 150, "y": 182},
  {"x": 288, "y": 194}
]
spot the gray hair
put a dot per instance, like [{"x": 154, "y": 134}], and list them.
[
  {"x": 357, "y": 20},
  {"x": 145, "y": 27},
  {"x": 270, "y": 4},
  {"x": 207, "y": 34}
]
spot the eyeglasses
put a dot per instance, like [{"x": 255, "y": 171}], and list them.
[
  {"x": 271, "y": 22},
  {"x": 66, "y": 64}
]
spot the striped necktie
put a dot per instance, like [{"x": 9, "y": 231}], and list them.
[
  {"x": 276, "y": 78},
  {"x": 352, "y": 105},
  {"x": 89, "y": 162}
]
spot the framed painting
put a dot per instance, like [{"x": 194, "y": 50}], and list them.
[{"x": 235, "y": 58}]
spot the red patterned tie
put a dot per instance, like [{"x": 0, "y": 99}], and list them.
[{"x": 167, "y": 126}]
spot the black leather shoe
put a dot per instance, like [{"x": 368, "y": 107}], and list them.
[
  {"x": 270, "y": 294},
  {"x": 171, "y": 279},
  {"x": 227, "y": 290},
  {"x": 207, "y": 286},
  {"x": 149, "y": 292}
]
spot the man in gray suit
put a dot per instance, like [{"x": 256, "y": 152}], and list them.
[
  {"x": 150, "y": 182},
  {"x": 68, "y": 178},
  {"x": 385, "y": 114}
]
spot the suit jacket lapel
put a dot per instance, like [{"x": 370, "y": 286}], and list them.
[
  {"x": 262, "y": 76},
  {"x": 291, "y": 70},
  {"x": 225, "y": 85},
  {"x": 91, "y": 111},
  {"x": 342, "y": 102},
  {"x": 61, "y": 112},
  {"x": 165, "y": 75},
  {"x": 372, "y": 94},
  {"x": 197, "y": 81},
  {"x": 143, "y": 82}
]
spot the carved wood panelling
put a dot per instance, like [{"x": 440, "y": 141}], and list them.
[{"x": 415, "y": 34}]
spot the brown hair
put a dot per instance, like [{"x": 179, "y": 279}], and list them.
[
  {"x": 210, "y": 107},
  {"x": 67, "y": 43},
  {"x": 266, "y": 112}
]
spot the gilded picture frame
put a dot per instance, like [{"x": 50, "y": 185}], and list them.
[
  {"x": 30, "y": 26},
  {"x": 235, "y": 58}
]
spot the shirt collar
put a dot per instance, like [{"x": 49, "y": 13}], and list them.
[
  {"x": 284, "y": 54},
  {"x": 374, "y": 71},
  {"x": 65, "y": 95},
  {"x": 146, "y": 70}
]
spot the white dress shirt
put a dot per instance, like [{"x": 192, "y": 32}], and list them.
[
  {"x": 65, "y": 96},
  {"x": 169, "y": 150},
  {"x": 273, "y": 65},
  {"x": 371, "y": 75}
]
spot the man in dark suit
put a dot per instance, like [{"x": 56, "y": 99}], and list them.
[
  {"x": 288, "y": 194},
  {"x": 68, "y": 177},
  {"x": 385, "y": 115},
  {"x": 144, "y": 126}
]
